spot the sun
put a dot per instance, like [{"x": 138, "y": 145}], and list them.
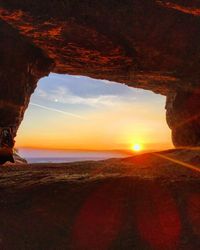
[{"x": 137, "y": 147}]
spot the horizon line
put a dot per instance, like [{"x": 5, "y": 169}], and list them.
[{"x": 91, "y": 150}]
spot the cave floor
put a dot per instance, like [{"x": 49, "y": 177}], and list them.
[{"x": 149, "y": 201}]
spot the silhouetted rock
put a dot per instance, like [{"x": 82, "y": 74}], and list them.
[
  {"x": 183, "y": 117},
  {"x": 21, "y": 66}
]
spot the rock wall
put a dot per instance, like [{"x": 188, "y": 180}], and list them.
[
  {"x": 183, "y": 117},
  {"x": 21, "y": 66},
  {"x": 149, "y": 44}
]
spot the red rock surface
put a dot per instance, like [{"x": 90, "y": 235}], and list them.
[
  {"x": 183, "y": 117},
  {"x": 21, "y": 65},
  {"x": 151, "y": 44},
  {"x": 142, "y": 202}
]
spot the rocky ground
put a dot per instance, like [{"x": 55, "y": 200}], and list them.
[{"x": 149, "y": 201}]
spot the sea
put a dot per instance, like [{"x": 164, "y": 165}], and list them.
[{"x": 60, "y": 156}]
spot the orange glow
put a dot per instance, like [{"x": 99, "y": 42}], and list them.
[
  {"x": 184, "y": 9},
  {"x": 112, "y": 127},
  {"x": 100, "y": 131}
]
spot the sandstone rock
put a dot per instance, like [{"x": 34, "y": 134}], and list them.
[
  {"x": 183, "y": 117},
  {"x": 141, "y": 202},
  {"x": 17, "y": 160},
  {"x": 21, "y": 66}
]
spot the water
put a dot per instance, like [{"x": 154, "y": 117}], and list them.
[{"x": 59, "y": 156}]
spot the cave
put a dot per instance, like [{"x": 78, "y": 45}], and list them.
[
  {"x": 147, "y": 201},
  {"x": 129, "y": 42}
]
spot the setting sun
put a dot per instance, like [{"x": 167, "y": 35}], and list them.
[{"x": 137, "y": 147}]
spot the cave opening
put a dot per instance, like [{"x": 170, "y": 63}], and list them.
[{"x": 79, "y": 113}]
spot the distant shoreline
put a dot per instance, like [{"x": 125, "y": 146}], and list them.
[{"x": 54, "y": 156}]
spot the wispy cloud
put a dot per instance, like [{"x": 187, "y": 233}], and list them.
[
  {"x": 58, "y": 111},
  {"x": 64, "y": 96}
]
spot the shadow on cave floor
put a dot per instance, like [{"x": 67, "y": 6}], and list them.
[{"x": 141, "y": 202}]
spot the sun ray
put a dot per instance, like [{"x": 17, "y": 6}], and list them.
[
  {"x": 184, "y": 164},
  {"x": 190, "y": 119}
]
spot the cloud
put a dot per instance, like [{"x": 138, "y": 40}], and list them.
[
  {"x": 63, "y": 95},
  {"x": 86, "y": 86}
]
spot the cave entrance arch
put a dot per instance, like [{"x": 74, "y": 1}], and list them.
[
  {"x": 135, "y": 45},
  {"x": 77, "y": 112}
]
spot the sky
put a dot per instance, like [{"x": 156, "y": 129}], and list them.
[{"x": 76, "y": 112}]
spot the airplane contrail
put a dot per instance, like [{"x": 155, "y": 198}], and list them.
[{"x": 58, "y": 111}]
